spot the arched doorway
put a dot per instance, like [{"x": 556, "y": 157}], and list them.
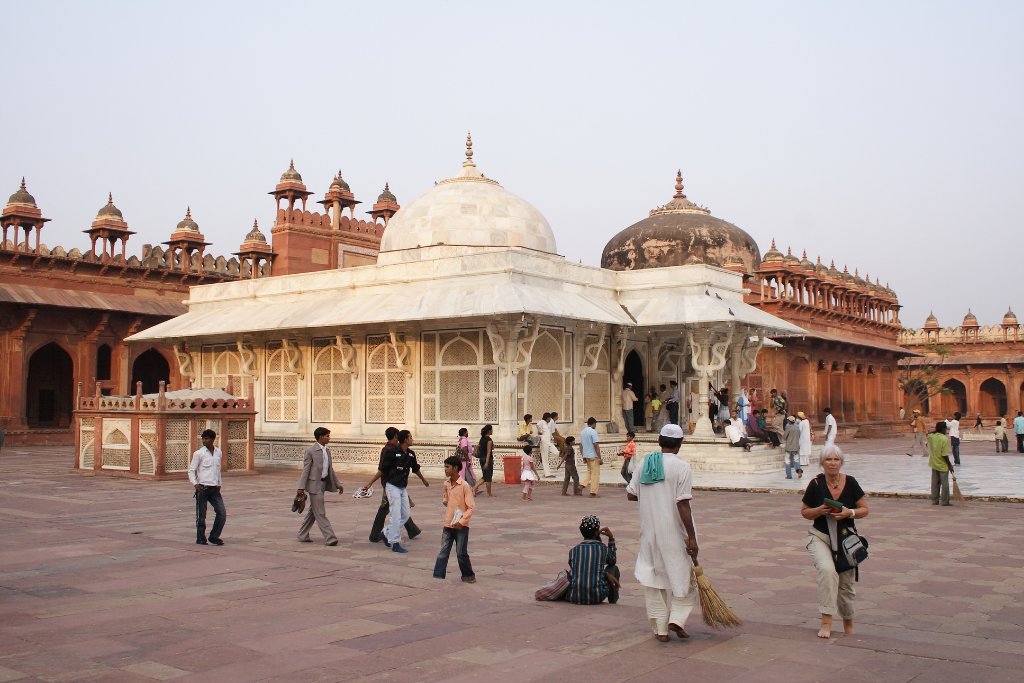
[
  {"x": 49, "y": 389},
  {"x": 992, "y": 397},
  {"x": 150, "y": 368},
  {"x": 633, "y": 372},
  {"x": 954, "y": 399},
  {"x": 797, "y": 387}
]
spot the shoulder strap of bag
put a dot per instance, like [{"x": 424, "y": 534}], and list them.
[{"x": 833, "y": 534}]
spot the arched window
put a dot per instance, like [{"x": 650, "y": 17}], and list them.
[
  {"x": 460, "y": 379},
  {"x": 954, "y": 398},
  {"x": 219, "y": 363},
  {"x": 992, "y": 398},
  {"x": 48, "y": 391},
  {"x": 596, "y": 386},
  {"x": 282, "y": 391},
  {"x": 332, "y": 385},
  {"x": 385, "y": 383},
  {"x": 549, "y": 380}
]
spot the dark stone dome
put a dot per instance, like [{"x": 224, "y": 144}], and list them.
[
  {"x": 680, "y": 233},
  {"x": 22, "y": 196}
]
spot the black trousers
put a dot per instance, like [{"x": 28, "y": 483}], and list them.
[
  {"x": 376, "y": 533},
  {"x": 1020, "y": 443},
  {"x": 211, "y": 495},
  {"x": 673, "y": 412}
]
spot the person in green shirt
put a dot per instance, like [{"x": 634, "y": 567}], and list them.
[{"x": 938, "y": 460}]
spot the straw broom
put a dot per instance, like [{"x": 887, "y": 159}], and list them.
[
  {"x": 957, "y": 496},
  {"x": 717, "y": 614}
]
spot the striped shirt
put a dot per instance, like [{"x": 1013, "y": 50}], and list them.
[{"x": 588, "y": 563}]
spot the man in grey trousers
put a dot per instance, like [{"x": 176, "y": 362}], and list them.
[{"x": 317, "y": 478}]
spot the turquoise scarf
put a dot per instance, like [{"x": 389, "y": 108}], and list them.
[{"x": 653, "y": 470}]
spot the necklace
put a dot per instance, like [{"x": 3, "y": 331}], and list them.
[{"x": 834, "y": 484}]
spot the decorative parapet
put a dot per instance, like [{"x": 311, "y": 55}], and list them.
[
  {"x": 154, "y": 436},
  {"x": 959, "y": 335}
]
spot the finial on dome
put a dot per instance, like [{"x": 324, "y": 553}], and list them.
[
  {"x": 291, "y": 164},
  {"x": 773, "y": 243},
  {"x": 110, "y": 196},
  {"x": 679, "y": 185},
  {"x": 188, "y": 212},
  {"x": 469, "y": 150},
  {"x": 805, "y": 254},
  {"x": 789, "y": 251},
  {"x": 23, "y": 188}
]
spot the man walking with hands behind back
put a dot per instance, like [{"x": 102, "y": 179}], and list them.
[
  {"x": 204, "y": 473},
  {"x": 317, "y": 478}
]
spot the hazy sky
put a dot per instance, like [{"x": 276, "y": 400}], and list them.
[{"x": 884, "y": 135}]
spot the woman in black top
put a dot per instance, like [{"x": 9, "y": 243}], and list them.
[
  {"x": 835, "y": 590},
  {"x": 485, "y": 451}
]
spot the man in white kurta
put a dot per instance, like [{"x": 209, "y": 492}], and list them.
[
  {"x": 805, "y": 439},
  {"x": 667, "y": 537},
  {"x": 548, "y": 451}
]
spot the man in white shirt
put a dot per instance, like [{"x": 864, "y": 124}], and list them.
[
  {"x": 736, "y": 437},
  {"x": 953, "y": 429},
  {"x": 672, "y": 402},
  {"x": 204, "y": 473},
  {"x": 668, "y": 539},
  {"x": 830, "y": 427},
  {"x": 548, "y": 452},
  {"x": 628, "y": 399}
]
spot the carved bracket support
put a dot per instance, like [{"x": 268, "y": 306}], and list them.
[
  {"x": 184, "y": 358},
  {"x": 620, "y": 352},
  {"x": 402, "y": 351},
  {"x": 348, "y": 355},
  {"x": 592, "y": 354},
  {"x": 293, "y": 355},
  {"x": 750, "y": 352},
  {"x": 497, "y": 347},
  {"x": 524, "y": 348},
  {"x": 248, "y": 357}
]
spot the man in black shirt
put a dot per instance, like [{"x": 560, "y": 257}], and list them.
[
  {"x": 396, "y": 464},
  {"x": 382, "y": 511}
]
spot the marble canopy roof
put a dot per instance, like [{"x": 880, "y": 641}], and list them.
[{"x": 464, "y": 284}]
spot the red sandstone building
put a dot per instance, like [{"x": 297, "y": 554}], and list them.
[{"x": 64, "y": 314}]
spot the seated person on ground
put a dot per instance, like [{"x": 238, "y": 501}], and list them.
[
  {"x": 593, "y": 575},
  {"x": 735, "y": 437}
]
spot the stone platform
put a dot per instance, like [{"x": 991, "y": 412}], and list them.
[{"x": 100, "y": 580}]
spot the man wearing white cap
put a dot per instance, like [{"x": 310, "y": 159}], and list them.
[
  {"x": 662, "y": 483},
  {"x": 628, "y": 399}
]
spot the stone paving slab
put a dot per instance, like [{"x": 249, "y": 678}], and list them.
[{"x": 104, "y": 582}]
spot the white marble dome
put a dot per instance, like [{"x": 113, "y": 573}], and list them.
[{"x": 468, "y": 210}]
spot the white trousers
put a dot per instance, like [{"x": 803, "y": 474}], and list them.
[
  {"x": 663, "y": 608},
  {"x": 835, "y": 590},
  {"x": 548, "y": 456}
]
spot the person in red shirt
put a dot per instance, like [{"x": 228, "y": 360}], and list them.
[{"x": 627, "y": 453}]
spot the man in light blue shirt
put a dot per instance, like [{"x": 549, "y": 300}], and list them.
[
  {"x": 1018, "y": 428},
  {"x": 591, "y": 452}
]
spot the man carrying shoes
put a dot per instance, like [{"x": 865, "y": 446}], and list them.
[{"x": 317, "y": 478}]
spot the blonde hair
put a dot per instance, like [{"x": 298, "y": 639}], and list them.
[{"x": 831, "y": 450}]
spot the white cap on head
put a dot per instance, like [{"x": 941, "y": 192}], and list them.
[{"x": 672, "y": 431}]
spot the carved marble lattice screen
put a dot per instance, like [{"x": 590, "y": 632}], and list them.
[
  {"x": 237, "y": 440},
  {"x": 549, "y": 380},
  {"x": 332, "y": 386},
  {"x": 116, "y": 447},
  {"x": 282, "y": 387},
  {"x": 147, "y": 446},
  {"x": 177, "y": 451},
  {"x": 597, "y": 386},
  {"x": 385, "y": 382},
  {"x": 87, "y": 427},
  {"x": 218, "y": 363},
  {"x": 460, "y": 380}
]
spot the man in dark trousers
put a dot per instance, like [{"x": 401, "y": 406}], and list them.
[
  {"x": 204, "y": 473},
  {"x": 382, "y": 511},
  {"x": 396, "y": 466},
  {"x": 317, "y": 478}
]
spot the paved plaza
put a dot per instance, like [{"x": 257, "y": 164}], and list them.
[{"x": 100, "y": 579}]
